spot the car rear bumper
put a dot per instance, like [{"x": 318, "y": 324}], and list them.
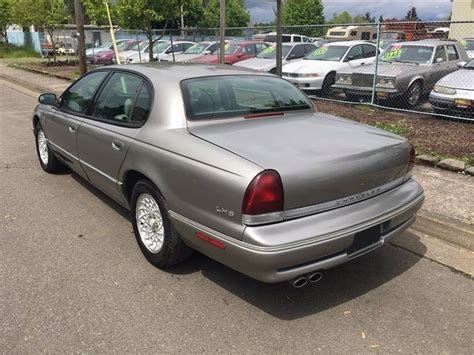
[{"x": 315, "y": 242}]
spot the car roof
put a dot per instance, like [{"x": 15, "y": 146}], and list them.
[
  {"x": 346, "y": 43},
  {"x": 429, "y": 42},
  {"x": 175, "y": 72}
]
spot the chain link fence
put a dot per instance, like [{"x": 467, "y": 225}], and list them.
[{"x": 414, "y": 66}]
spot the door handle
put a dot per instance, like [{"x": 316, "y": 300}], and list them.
[
  {"x": 117, "y": 145},
  {"x": 363, "y": 63},
  {"x": 72, "y": 129}
]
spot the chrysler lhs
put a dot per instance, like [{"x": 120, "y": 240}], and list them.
[{"x": 234, "y": 163}]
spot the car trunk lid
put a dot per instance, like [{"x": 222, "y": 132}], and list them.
[{"x": 319, "y": 157}]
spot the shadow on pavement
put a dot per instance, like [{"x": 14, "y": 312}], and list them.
[{"x": 339, "y": 285}]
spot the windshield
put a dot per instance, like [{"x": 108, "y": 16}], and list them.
[
  {"x": 468, "y": 44},
  {"x": 198, "y": 48},
  {"x": 231, "y": 96},
  {"x": 399, "y": 53},
  {"x": 160, "y": 47},
  {"x": 270, "y": 52},
  {"x": 469, "y": 65},
  {"x": 329, "y": 53},
  {"x": 124, "y": 45},
  {"x": 139, "y": 46}
]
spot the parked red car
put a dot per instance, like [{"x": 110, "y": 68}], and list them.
[
  {"x": 234, "y": 52},
  {"x": 107, "y": 56}
]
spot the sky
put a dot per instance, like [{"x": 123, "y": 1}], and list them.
[{"x": 262, "y": 10}]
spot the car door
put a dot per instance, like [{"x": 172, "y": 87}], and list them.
[
  {"x": 297, "y": 52},
  {"x": 248, "y": 51},
  {"x": 355, "y": 56},
  {"x": 104, "y": 137},
  {"x": 66, "y": 118},
  {"x": 452, "y": 58}
]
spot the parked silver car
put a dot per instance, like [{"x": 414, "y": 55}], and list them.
[
  {"x": 234, "y": 163},
  {"x": 266, "y": 59},
  {"x": 455, "y": 92},
  {"x": 406, "y": 71}
]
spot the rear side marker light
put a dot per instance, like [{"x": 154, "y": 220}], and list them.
[{"x": 210, "y": 240}]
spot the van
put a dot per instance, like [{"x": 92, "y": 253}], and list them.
[{"x": 349, "y": 33}]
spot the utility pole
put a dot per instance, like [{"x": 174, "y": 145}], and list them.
[
  {"x": 81, "y": 39},
  {"x": 222, "y": 32},
  {"x": 112, "y": 32},
  {"x": 278, "y": 39}
]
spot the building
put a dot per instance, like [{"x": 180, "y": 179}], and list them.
[{"x": 463, "y": 10}]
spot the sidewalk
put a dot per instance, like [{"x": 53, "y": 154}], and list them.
[{"x": 448, "y": 212}]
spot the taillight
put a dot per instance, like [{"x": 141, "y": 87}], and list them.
[
  {"x": 263, "y": 200},
  {"x": 411, "y": 163}
]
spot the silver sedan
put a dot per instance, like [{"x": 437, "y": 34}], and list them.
[
  {"x": 233, "y": 163},
  {"x": 454, "y": 93}
]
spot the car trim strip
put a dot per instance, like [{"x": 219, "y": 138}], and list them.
[
  {"x": 115, "y": 181},
  {"x": 321, "y": 238},
  {"x": 326, "y": 206}
]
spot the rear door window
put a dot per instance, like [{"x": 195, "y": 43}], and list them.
[
  {"x": 369, "y": 51},
  {"x": 440, "y": 54},
  {"x": 355, "y": 53},
  {"x": 452, "y": 52},
  {"x": 116, "y": 100}
]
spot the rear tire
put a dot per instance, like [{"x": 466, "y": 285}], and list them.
[
  {"x": 155, "y": 234},
  {"x": 46, "y": 157}
]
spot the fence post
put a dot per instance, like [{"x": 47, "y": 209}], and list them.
[
  {"x": 139, "y": 50},
  {"x": 172, "y": 49},
  {"x": 374, "y": 83}
]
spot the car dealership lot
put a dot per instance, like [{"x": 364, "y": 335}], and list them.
[{"x": 73, "y": 278}]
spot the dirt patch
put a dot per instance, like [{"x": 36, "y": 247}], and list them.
[
  {"x": 430, "y": 135},
  {"x": 68, "y": 70}
]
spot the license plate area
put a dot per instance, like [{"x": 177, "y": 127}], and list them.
[
  {"x": 365, "y": 238},
  {"x": 462, "y": 103}
]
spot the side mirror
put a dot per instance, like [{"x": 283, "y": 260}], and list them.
[
  {"x": 240, "y": 55},
  {"x": 47, "y": 99},
  {"x": 207, "y": 52},
  {"x": 461, "y": 64},
  {"x": 349, "y": 58},
  {"x": 439, "y": 60}
]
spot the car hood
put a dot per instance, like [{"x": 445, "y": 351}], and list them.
[
  {"x": 319, "y": 157},
  {"x": 312, "y": 66},
  {"x": 181, "y": 57},
  {"x": 258, "y": 64},
  {"x": 460, "y": 79},
  {"x": 390, "y": 70}
]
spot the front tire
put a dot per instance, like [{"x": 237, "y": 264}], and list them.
[
  {"x": 328, "y": 82},
  {"x": 155, "y": 235},
  {"x": 413, "y": 94},
  {"x": 46, "y": 157}
]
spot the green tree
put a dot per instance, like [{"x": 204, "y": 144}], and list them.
[
  {"x": 359, "y": 19},
  {"x": 342, "y": 18},
  {"x": 304, "y": 12},
  {"x": 368, "y": 18},
  {"x": 235, "y": 14},
  {"x": 381, "y": 18},
  {"x": 94, "y": 11},
  {"x": 45, "y": 15},
  {"x": 144, "y": 14},
  {"x": 412, "y": 15},
  {"x": 5, "y": 18}
]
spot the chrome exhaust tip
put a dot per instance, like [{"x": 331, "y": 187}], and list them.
[
  {"x": 300, "y": 281},
  {"x": 315, "y": 277}
]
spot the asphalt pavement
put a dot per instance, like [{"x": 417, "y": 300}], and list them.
[{"x": 73, "y": 280}]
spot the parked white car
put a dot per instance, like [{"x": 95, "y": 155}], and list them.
[
  {"x": 197, "y": 50},
  {"x": 318, "y": 69},
  {"x": 266, "y": 59},
  {"x": 271, "y": 38},
  {"x": 160, "y": 51},
  {"x": 468, "y": 44}
]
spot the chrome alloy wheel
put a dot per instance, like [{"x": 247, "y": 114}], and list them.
[
  {"x": 414, "y": 95},
  {"x": 43, "y": 147},
  {"x": 149, "y": 223}
]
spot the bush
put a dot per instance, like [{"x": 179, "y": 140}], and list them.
[{"x": 13, "y": 51}]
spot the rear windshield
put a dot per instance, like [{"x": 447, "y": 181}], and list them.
[
  {"x": 231, "y": 96},
  {"x": 468, "y": 44}
]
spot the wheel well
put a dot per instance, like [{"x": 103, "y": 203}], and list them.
[
  {"x": 131, "y": 178},
  {"x": 420, "y": 80},
  {"x": 35, "y": 121}
]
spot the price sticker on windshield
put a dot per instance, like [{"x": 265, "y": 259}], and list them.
[
  {"x": 394, "y": 52},
  {"x": 320, "y": 51},
  {"x": 268, "y": 50}
]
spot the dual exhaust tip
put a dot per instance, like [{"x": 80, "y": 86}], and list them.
[{"x": 303, "y": 280}]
